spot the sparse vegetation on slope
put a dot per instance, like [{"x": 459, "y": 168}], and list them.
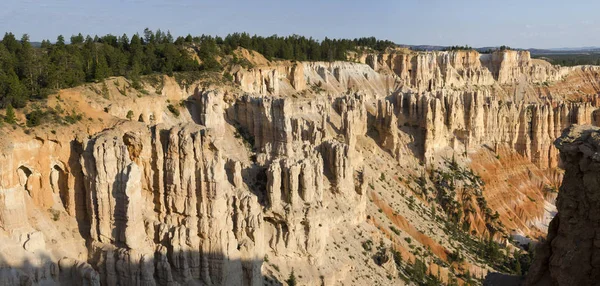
[{"x": 459, "y": 192}]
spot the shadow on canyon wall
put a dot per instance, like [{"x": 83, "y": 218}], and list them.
[
  {"x": 499, "y": 279},
  {"x": 41, "y": 269}
]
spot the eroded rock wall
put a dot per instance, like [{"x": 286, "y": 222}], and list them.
[
  {"x": 161, "y": 202},
  {"x": 275, "y": 125},
  {"x": 426, "y": 71},
  {"x": 465, "y": 119},
  {"x": 290, "y": 78}
]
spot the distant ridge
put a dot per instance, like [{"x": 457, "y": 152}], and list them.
[{"x": 535, "y": 51}]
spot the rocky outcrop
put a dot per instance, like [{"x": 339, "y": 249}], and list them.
[
  {"x": 570, "y": 254},
  {"x": 295, "y": 182},
  {"x": 275, "y": 124},
  {"x": 210, "y": 106},
  {"x": 263, "y": 81},
  {"x": 295, "y": 217},
  {"x": 353, "y": 111},
  {"x": 521, "y": 193},
  {"x": 160, "y": 202},
  {"x": 167, "y": 203},
  {"x": 386, "y": 124}
]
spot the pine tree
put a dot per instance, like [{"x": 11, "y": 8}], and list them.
[
  {"x": 170, "y": 55},
  {"x": 286, "y": 51},
  {"x": 291, "y": 281},
  {"x": 10, "y": 42},
  {"x": 397, "y": 259},
  {"x": 518, "y": 269},
  {"x": 207, "y": 53},
  {"x": 148, "y": 36},
  {"x": 26, "y": 66},
  {"x": 10, "y": 115},
  {"x": 60, "y": 40},
  {"x": 101, "y": 69},
  {"x": 15, "y": 91},
  {"x": 517, "y": 259},
  {"x": 452, "y": 280},
  {"x": 75, "y": 40}
]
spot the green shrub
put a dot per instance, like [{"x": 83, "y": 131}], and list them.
[
  {"x": 73, "y": 118},
  {"x": 228, "y": 76},
  {"x": 173, "y": 110},
  {"x": 367, "y": 245},
  {"x": 105, "y": 92},
  {"x": 55, "y": 214},
  {"x": 10, "y": 117},
  {"x": 35, "y": 117}
]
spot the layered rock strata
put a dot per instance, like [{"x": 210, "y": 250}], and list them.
[{"x": 457, "y": 99}]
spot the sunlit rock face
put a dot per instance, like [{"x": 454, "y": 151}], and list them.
[{"x": 296, "y": 165}]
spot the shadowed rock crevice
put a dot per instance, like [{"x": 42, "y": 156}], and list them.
[{"x": 80, "y": 197}]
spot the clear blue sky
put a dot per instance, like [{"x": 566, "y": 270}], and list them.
[{"x": 522, "y": 24}]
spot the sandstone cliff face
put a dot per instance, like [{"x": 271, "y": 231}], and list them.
[
  {"x": 456, "y": 69},
  {"x": 38, "y": 182},
  {"x": 521, "y": 192},
  {"x": 569, "y": 255},
  {"x": 387, "y": 127}
]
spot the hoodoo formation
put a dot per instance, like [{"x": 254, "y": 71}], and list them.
[{"x": 392, "y": 167}]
